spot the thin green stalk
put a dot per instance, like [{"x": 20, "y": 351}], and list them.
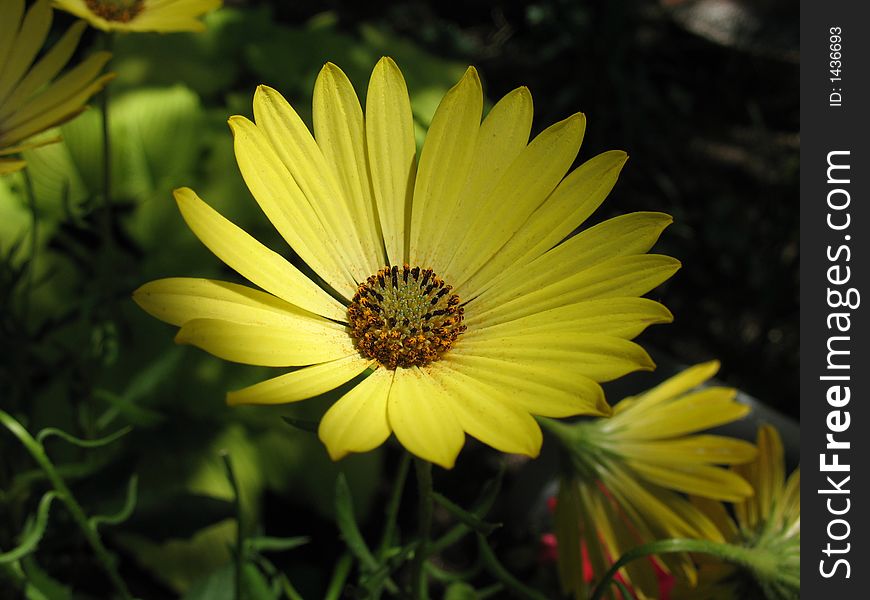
[
  {"x": 393, "y": 507},
  {"x": 237, "y": 506},
  {"x": 738, "y": 555},
  {"x": 498, "y": 570},
  {"x": 419, "y": 588},
  {"x": 108, "y": 41},
  {"x": 90, "y": 532}
]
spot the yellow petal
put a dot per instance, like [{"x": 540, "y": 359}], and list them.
[
  {"x": 701, "y": 480},
  {"x": 716, "y": 512},
  {"x": 304, "y": 161},
  {"x": 622, "y": 276},
  {"x": 619, "y": 317},
  {"x": 392, "y": 154},
  {"x": 445, "y": 161},
  {"x": 272, "y": 345},
  {"x": 545, "y": 388},
  {"x": 13, "y": 10},
  {"x": 674, "y": 387},
  {"x": 567, "y": 520},
  {"x": 598, "y": 357},
  {"x": 524, "y": 186},
  {"x": 483, "y": 415},
  {"x": 252, "y": 260},
  {"x": 571, "y": 203},
  {"x": 8, "y": 165},
  {"x": 358, "y": 421},
  {"x": 301, "y": 384},
  {"x": 502, "y": 136},
  {"x": 287, "y": 208},
  {"x": 625, "y": 235},
  {"x": 28, "y": 42},
  {"x": 694, "y": 412},
  {"x": 771, "y": 469},
  {"x": 340, "y": 132},
  {"x": 423, "y": 419},
  {"x": 177, "y": 300},
  {"x": 697, "y": 449},
  {"x": 45, "y": 70}
]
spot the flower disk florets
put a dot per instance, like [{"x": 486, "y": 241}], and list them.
[
  {"x": 116, "y": 10},
  {"x": 404, "y": 317}
]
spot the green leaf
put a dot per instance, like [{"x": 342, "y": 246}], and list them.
[
  {"x": 460, "y": 591},
  {"x": 220, "y": 585},
  {"x": 126, "y": 510},
  {"x": 33, "y": 531},
  {"x": 81, "y": 443},
  {"x": 118, "y": 405},
  {"x": 346, "y": 521},
  {"x": 274, "y": 544}
]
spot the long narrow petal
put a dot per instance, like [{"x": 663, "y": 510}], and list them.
[
  {"x": 302, "y": 158},
  {"x": 273, "y": 345},
  {"x": 422, "y": 418},
  {"x": 177, "y": 300},
  {"x": 574, "y": 199},
  {"x": 392, "y": 154},
  {"x": 445, "y": 161},
  {"x": 599, "y": 357},
  {"x": 622, "y": 276},
  {"x": 673, "y": 387},
  {"x": 286, "y": 206},
  {"x": 697, "y": 449},
  {"x": 28, "y": 42},
  {"x": 626, "y": 235},
  {"x": 340, "y": 131},
  {"x": 694, "y": 412},
  {"x": 545, "y": 388},
  {"x": 13, "y": 10},
  {"x": 253, "y": 260},
  {"x": 503, "y": 134},
  {"x": 525, "y": 185},
  {"x": 358, "y": 421},
  {"x": 301, "y": 384},
  {"x": 45, "y": 70},
  {"x": 483, "y": 414},
  {"x": 619, "y": 317},
  {"x": 701, "y": 480}
]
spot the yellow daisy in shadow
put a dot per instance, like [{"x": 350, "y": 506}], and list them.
[
  {"x": 768, "y": 524},
  {"x": 33, "y": 97},
  {"x": 626, "y": 474},
  {"x": 446, "y": 281},
  {"x": 164, "y": 16}
]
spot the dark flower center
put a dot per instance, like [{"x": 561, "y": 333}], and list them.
[
  {"x": 404, "y": 317},
  {"x": 116, "y": 10}
]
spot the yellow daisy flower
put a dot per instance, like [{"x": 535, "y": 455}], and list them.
[
  {"x": 32, "y": 96},
  {"x": 768, "y": 523},
  {"x": 626, "y": 472},
  {"x": 164, "y": 16},
  {"x": 444, "y": 282}
]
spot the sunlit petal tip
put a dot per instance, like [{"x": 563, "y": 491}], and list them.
[{"x": 237, "y": 121}]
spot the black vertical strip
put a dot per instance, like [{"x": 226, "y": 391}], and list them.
[{"x": 835, "y": 265}]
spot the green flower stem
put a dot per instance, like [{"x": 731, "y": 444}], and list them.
[
  {"x": 498, "y": 570},
  {"x": 108, "y": 41},
  {"x": 759, "y": 562},
  {"x": 419, "y": 588},
  {"x": 393, "y": 507},
  {"x": 240, "y": 540},
  {"x": 89, "y": 530}
]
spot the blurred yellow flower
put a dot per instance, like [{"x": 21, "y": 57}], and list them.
[
  {"x": 164, "y": 16},
  {"x": 442, "y": 282},
  {"x": 32, "y": 96},
  {"x": 626, "y": 471},
  {"x": 769, "y": 523}
]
